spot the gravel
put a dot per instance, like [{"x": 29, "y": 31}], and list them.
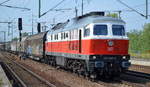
[{"x": 57, "y": 77}]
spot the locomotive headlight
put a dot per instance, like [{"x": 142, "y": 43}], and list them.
[
  {"x": 94, "y": 57},
  {"x": 110, "y": 43},
  {"x": 124, "y": 57}
]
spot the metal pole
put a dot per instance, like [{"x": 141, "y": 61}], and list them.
[
  {"x": 119, "y": 14},
  {"x": 146, "y": 9},
  {"x": 32, "y": 24},
  {"x": 76, "y": 11},
  {"x": 39, "y": 8},
  {"x": 82, "y": 7},
  {"x": 9, "y": 28},
  {"x": 4, "y": 40},
  {"x": 20, "y": 37},
  {"x": 12, "y": 31}
]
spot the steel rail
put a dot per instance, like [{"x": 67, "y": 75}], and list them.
[
  {"x": 139, "y": 74},
  {"x": 13, "y": 75},
  {"x": 32, "y": 73},
  {"x": 35, "y": 75}
]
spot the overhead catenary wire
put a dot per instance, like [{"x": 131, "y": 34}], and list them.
[
  {"x": 15, "y": 7},
  {"x": 4, "y": 2},
  {"x": 136, "y": 6},
  {"x": 52, "y": 8},
  {"x": 131, "y": 8},
  {"x": 140, "y": 5},
  {"x": 127, "y": 10}
]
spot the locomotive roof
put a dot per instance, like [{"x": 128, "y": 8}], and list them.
[{"x": 80, "y": 22}]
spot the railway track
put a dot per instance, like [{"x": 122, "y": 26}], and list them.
[
  {"x": 140, "y": 68},
  {"x": 15, "y": 80},
  {"x": 138, "y": 74},
  {"x": 122, "y": 81},
  {"x": 116, "y": 82},
  {"x": 119, "y": 83},
  {"x": 136, "y": 79},
  {"x": 129, "y": 79},
  {"x": 26, "y": 77}
]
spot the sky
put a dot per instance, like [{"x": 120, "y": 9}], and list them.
[{"x": 132, "y": 19}]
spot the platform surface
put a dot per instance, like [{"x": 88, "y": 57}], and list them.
[
  {"x": 4, "y": 82},
  {"x": 142, "y": 62}
]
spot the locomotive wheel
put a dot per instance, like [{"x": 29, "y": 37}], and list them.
[
  {"x": 86, "y": 75},
  {"x": 93, "y": 77}
]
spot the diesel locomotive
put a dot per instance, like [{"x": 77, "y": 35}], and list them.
[{"x": 93, "y": 45}]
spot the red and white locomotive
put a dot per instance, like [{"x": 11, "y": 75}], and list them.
[{"x": 91, "y": 44}]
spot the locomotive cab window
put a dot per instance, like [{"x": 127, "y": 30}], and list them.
[
  {"x": 118, "y": 30},
  {"x": 100, "y": 30},
  {"x": 86, "y": 32}
]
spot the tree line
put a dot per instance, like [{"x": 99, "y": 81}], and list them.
[{"x": 140, "y": 40}]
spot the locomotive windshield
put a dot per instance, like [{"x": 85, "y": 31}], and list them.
[
  {"x": 118, "y": 30},
  {"x": 100, "y": 30}
]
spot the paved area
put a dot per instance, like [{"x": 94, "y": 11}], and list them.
[
  {"x": 138, "y": 61},
  {"x": 4, "y": 82}
]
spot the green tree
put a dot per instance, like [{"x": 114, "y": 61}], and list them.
[
  {"x": 24, "y": 34},
  {"x": 145, "y": 38},
  {"x": 114, "y": 15},
  {"x": 134, "y": 42},
  {"x": 15, "y": 39},
  {"x": 140, "y": 40}
]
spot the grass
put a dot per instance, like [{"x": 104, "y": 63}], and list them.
[
  {"x": 141, "y": 55},
  {"x": 1, "y": 82}
]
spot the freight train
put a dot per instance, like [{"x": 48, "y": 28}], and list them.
[{"x": 93, "y": 45}]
